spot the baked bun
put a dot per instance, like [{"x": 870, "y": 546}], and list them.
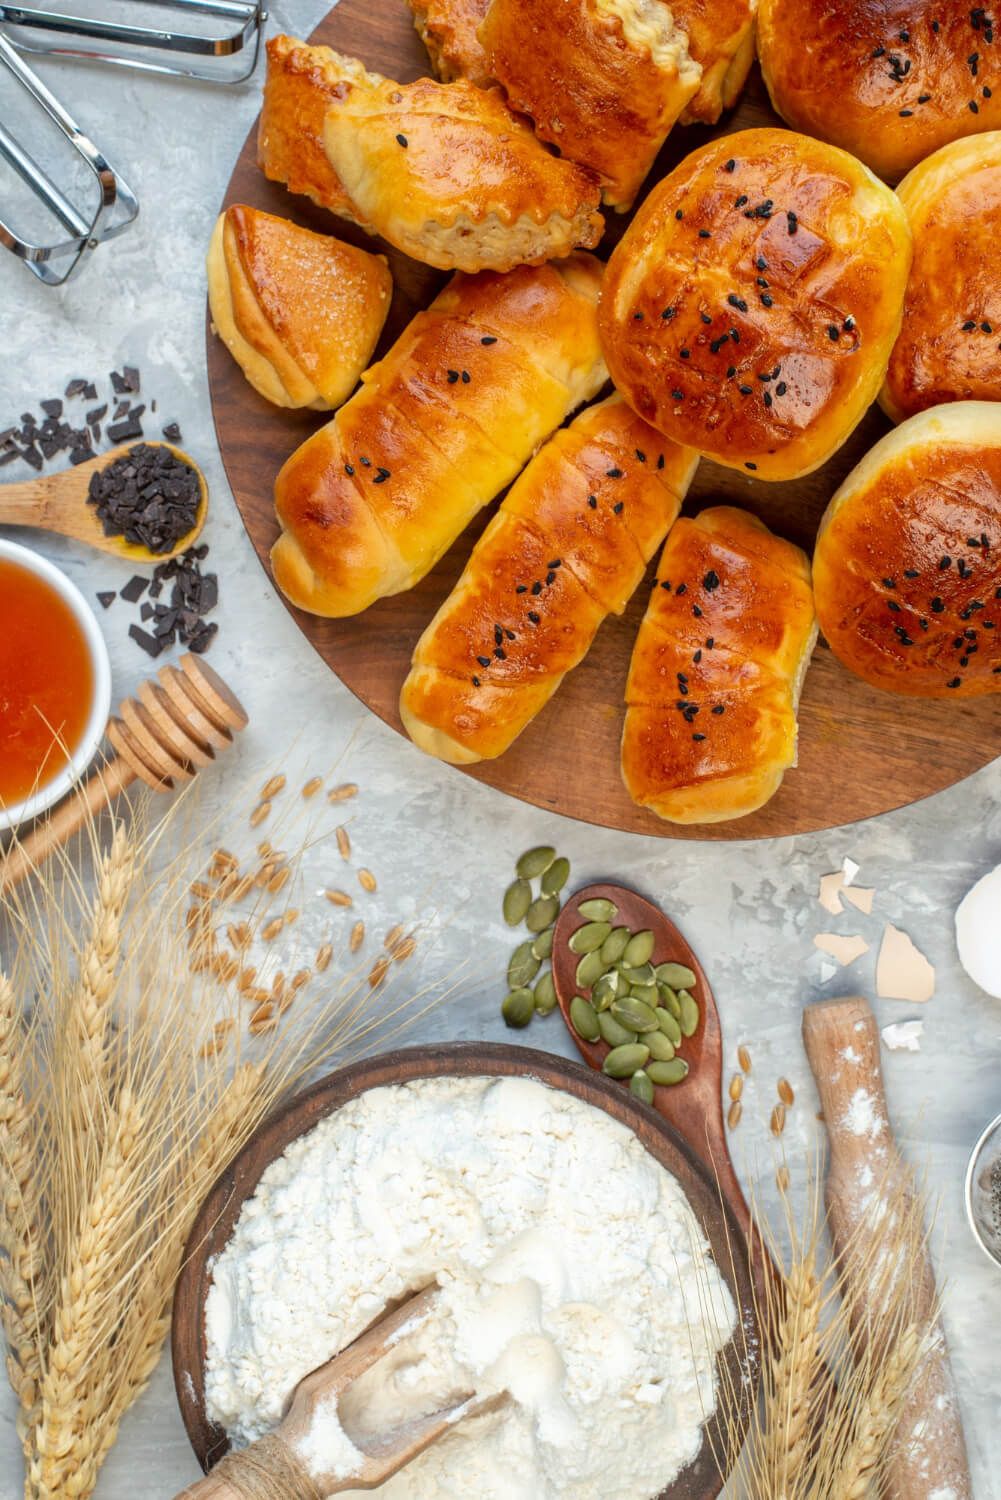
[
  {"x": 949, "y": 347},
  {"x": 603, "y": 80},
  {"x": 907, "y": 568},
  {"x": 890, "y": 82},
  {"x": 301, "y": 313},
  {"x": 716, "y": 672},
  {"x": 445, "y": 172},
  {"x": 445, "y": 421},
  {"x": 569, "y": 546},
  {"x": 721, "y": 40},
  {"x": 448, "y": 29},
  {"x": 750, "y": 309}
]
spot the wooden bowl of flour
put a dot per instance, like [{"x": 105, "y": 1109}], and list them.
[{"x": 736, "y": 1363}]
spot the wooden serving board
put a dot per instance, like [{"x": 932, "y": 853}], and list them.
[{"x": 861, "y": 751}]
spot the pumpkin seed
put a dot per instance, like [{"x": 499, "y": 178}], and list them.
[
  {"x": 670, "y": 1027},
  {"x": 583, "y": 1019},
  {"x": 614, "y": 945},
  {"x": 589, "y": 969},
  {"x": 640, "y": 973},
  {"x": 542, "y": 913},
  {"x": 623, "y": 1062},
  {"x": 523, "y": 966},
  {"x": 690, "y": 1016},
  {"x": 661, "y": 1046},
  {"x": 534, "y": 861},
  {"x": 542, "y": 946},
  {"x": 556, "y": 877},
  {"x": 589, "y": 937},
  {"x": 634, "y": 1014},
  {"x": 518, "y": 1007},
  {"x": 639, "y": 949},
  {"x": 666, "y": 1073},
  {"x": 517, "y": 900},
  {"x": 598, "y": 910},
  {"x": 645, "y": 992},
  {"x": 545, "y": 994},
  {"x": 676, "y": 975},
  {"x": 605, "y": 989},
  {"x": 641, "y": 1087},
  {"x": 670, "y": 1000},
  {"x": 611, "y": 1031}
]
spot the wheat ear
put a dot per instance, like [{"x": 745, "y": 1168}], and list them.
[
  {"x": 20, "y": 1228},
  {"x": 791, "y": 1381},
  {"x": 877, "y": 1416}
]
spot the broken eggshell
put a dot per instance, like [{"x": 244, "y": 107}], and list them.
[{"x": 978, "y": 933}]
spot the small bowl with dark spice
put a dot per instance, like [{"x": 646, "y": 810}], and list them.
[{"x": 983, "y": 1191}]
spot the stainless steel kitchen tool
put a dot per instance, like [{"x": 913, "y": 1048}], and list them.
[{"x": 983, "y": 1191}]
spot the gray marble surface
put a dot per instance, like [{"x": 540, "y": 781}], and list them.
[{"x": 441, "y": 841}]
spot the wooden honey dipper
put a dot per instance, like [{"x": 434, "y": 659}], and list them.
[{"x": 163, "y": 736}]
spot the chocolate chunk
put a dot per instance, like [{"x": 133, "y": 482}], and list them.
[
  {"x": 134, "y": 589},
  {"x": 172, "y": 432},
  {"x": 147, "y": 612},
  {"x": 107, "y": 598},
  {"x": 149, "y": 643},
  {"x": 97, "y": 415},
  {"x": 75, "y": 388},
  {"x": 53, "y": 408}
]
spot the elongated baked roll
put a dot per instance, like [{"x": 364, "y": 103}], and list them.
[
  {"x": 449, "y": 30},
  {"x": 717, "y": 669},
  {"x": 455, "y": 410},
  {"x": 907, "y": 566},
  {"x": 721, "y": 40},
  {"x": 949, "y": 347},
  {"x": 301, "y": 313},
  {"x": 568, "y": 546}
]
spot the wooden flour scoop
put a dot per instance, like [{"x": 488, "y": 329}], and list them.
[{"x": 288, "y": 1463}]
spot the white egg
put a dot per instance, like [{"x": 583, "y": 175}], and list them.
[{"x": 978, "y": 933}]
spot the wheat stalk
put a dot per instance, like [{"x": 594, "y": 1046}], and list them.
[
  {"x": 876, "y": 1417},
  {"x": 791, "y": 1382},
  {"x": 20, "y": 1224}
]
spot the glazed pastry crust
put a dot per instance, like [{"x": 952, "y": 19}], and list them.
[
  {"x": 449, "y": 30},
  {"x": 471, "y": 388},
  {"x": 893, "y": 610},
  {"x": 547, "y": 571},
  {"x": 750, "y": 309},
  {"x": 716, "y": 672},
  {"x": 721, "y": 40},
  {"x": 603, "y": 80},
  {"x": 889, "y": 80},
  {"x": 949, "y": 347},
  {"x": 301, "y": 313}
]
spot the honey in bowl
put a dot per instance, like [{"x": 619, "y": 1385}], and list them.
[{"x": 46, "y": 683}]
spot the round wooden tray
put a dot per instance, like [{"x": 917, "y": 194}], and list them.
[
  {"x": 718, "y": 1212},
  {"x": 861, "y": 751}
]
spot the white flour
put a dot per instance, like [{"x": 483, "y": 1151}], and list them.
[{"x": 574, "y": 1277}]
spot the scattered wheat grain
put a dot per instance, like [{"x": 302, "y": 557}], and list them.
[
  {"x": 323, "y": 958},
  {"x": 736, "y": 1085},
  {"x": 734, "y": 1113},
  {"x": 343, "y": 793},
  {"x": 778, "y": 1119},
  {"x": 785, "y": 1093},
  {"x": 279, "y": 881},
  {"x": 744, "y": 1058},
  {"x": 312, "y": 786},
  {"x": 272, "y": 787},
  {"x": 343, "y": 843},
  {"x": 357, "y": 936},
  {"x": 378, "y": 972},
  {"x": 339, "y": 898},
  {"x": 367, "y": 881},
  {"x": 271, "y": 929}
]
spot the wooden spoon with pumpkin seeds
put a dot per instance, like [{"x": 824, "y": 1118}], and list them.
[{"x": 694, "y": 1103}]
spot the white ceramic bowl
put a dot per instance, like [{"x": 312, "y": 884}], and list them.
[{"x": 48, "y": 795}]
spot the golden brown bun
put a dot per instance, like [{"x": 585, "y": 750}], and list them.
[
  {"x": 717, "y": 669},
  {"x": 907, "y": 568},
  {"x": 457, "y": 407},
  {"x": 751, "y": 307},
  {"x": 721, "y": 40},
  {"x": 889, "y": 80},
  {"x": 548, "y": 569},
  {"x": 448, "y": 29},
  {"x": 603, "y": 80},
  {"x": 301, "y": 313},
  {"x": 445, "y": 172},
  {"x": 949, "y": 347}
]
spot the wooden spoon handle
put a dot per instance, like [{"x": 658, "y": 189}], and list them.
[
  {"x": 842, "y": 1044},
  {"x": 212, "y": 1487},
  {"x": 86, "y": 801},
  {"x": 267, "y": 1470},
  {"x": 38, "y": 502}
]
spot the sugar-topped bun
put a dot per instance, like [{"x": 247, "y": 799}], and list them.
[
  {"x": 890, "y": 80},
  {"x": 751, "y": 307},
  {"x": 949, "y": 347},
  {"x": 907, "y": 570}
]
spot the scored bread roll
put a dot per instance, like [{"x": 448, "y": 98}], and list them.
[
  {"x": 888, "y": 82},
  {"x": 449, "y": 30},
  {"x": 716, "y": 672},
  {"x": 301, "y": 313},
  {"x": 448, "y": 418},
  {"x": 750, "y": 309},
  {"x": 949, "y": 347},
  {"x": 568, "y": 546},
  {"x": 907, "y": 567}
]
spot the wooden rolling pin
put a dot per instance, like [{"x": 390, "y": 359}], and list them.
[
  {"x": 842, "y": 1043},
  {"x": 175, "y": 724}
]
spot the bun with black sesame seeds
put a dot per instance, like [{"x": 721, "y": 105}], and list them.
[
  {"x": 949, "y": 347},
  {"x": 750, "y": 309},
  {"x": 568, "y": 547},
  {"x": 890, "y": 80},
  {"x": 717, "y": 669},
  {"x": 907, "y": 567},
  {"x": 439, "y": 426}
]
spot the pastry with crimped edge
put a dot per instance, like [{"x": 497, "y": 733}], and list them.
[
  {"x": 568, "y": 547},
  {"x": 721, "y": 40},
  {"x": 907, "y": 567},
  {"x": 750, "y": 309},
  {"x": 301, "y": 313},
  {"x": 449, "y": 30},
  {"x": 716, "y": 672}
]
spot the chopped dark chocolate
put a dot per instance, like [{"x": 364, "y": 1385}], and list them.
[
  {"x": 149, "y": 643},
  {"x": 107, "y": 598},
  {"x": 172, "y": 432},
  {"x": 147, "y": 495},
  {"x": 134, "y": 589}
]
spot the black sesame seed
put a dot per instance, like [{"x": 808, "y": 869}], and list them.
[
  {"x": 969, "y": 325},
  {"x": 986, "y": 328},
  {"x": 697, "y": 657},
  {"x": 465, "y": 377},
  {"x": 937, "y": 606},
  {"x": 698, "y": 736},
  {"x": 705, "y": 318},
  {"x": 683, "y": 589},
  {"x": 696, "y": 612},
  {"x": 381, "y": 476},
  {"x": 731, "y": 372},
  {"x": 923, "y": 98},
  {"x": 366, "y": 462},
  {"x": 668, "y": 313},
  {"x": 750, "y": 466},
  {"x": 475, "y": 681},
  {"x": 488, "y": 339},
  {"x": 905, "y": 114},
  {"x": 781, "y": 388},
  {"x": 536, "y": 588},
  {"x": 453, "y": 376},
  {"x": 892, "y": 604},
  {"x": 678, "y": 214},
  {"x": 705, "y": 234},
  {"x": 833, "y": 332},
  {"x": 500, "y": 653},
  {"x": 349, "y": 469},
  {"x": 402, "y": 140},
  {"x": 719, "y": 709},
  {"x": 737, "y": 302},
  {"x": 943, "y": 563},
  {"x": 522, "y": 588},
  {"x": 618, "y": 508},
  {"x": 484, "y": 661},
  {"x": 768, "y": 398},
  {"x": 640, "y": 456},
  {"x": 711, "y": 580},
  {"x": 685, "y": 353},
  {"x": 550, "y": 579},
  {"x": 889, "y": 583},
  {"x": 729, "y": 165},
  {"x": 973, "y": 107},
  {"x": 911, "y": 573},
  {"x": 766, "y": 301},
  {"x": 745, "y": 390},
  {"x": 710, "y": 642},
  {"x": 761, "y": 263},
  {"x": 954, "y": 682},
  {"x": 739, "y": 202},
  {"x": 533, "y": 617},
  {"x": 678, "y": 395},
  {"x": 613, "y": 473},
  {"x": 637, "y": 317},
  {"x": 557, "y": 562},
  {"x": 592, "y": 501}
]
